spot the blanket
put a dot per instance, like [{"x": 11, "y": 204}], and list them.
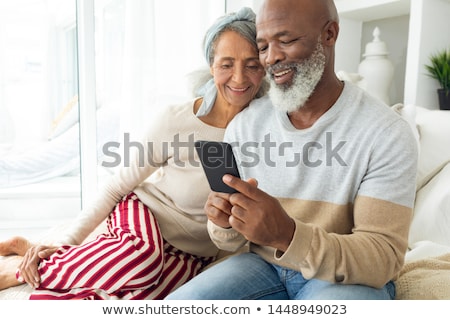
[{"x": 425, "y": 279}]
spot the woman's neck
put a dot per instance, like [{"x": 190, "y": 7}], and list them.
[{"x": 220, "y": 115}]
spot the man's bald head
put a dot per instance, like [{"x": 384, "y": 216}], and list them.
[{"x": 319, "y": 11}]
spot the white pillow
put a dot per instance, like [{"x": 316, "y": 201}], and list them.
[
  {"x": 408, "y": 112},
  {"x": 425, "y": 249},
  {"x": 431, "y": 220},
  {"x": 434, "y": 131}
]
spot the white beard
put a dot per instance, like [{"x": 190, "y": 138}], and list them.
[{"x": 290, "y": 98}]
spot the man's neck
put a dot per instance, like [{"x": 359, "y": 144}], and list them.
[{"x": 324, "y": 97}]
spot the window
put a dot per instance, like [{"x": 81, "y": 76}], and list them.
[
  {"x": 38, "y": 86},
  {"x": 142, "y": 53}
]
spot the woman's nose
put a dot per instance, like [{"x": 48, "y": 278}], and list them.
[{"x": 239, "y": 74}]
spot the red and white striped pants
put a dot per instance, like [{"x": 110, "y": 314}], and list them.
[{"x": 130, "y": 261}]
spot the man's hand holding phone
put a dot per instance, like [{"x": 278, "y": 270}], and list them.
[
  {"x": 239, "y": 204},
  {"x": 258, "y": 216}
]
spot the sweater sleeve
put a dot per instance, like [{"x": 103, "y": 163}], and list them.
[{"x": 226, "y": 239}]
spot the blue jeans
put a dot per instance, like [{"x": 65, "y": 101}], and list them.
[{"x": 248, "y": 276}]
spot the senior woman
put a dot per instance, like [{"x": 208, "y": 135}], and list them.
[{"x": 157, "y": 237}]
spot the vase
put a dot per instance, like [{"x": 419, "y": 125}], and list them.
[
  {"x": 376, "y": 70},
  {"x": 444, "y": 99}
]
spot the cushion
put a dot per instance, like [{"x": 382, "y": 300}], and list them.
[
  {"x": 434, "y": 131},
  {"x": 408, "y": 112},
  {"x": 431, "y": 220},
  {"x": 425, "y": 249}
]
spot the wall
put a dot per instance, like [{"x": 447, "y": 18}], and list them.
[
  {"x": 429, "y": 32},
  {"x": 235, "y": 5},
  {"x": 410, "y": 42},
  {"x": 355, "y": 34},
  {"x": 348, "y": 54},
  {"x": 394, "y": 32}
]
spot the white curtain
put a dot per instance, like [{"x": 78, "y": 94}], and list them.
[
  {"x": 138, "y": 63},
  {"x": 144, "y": 55}
]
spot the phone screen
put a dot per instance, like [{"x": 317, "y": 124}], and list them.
[{"x": 217, "y": 160}]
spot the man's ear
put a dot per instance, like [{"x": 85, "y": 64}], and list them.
[{"x": 331, "y": 32}]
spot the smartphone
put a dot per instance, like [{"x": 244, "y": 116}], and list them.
[{"x": 217, "y": 159}]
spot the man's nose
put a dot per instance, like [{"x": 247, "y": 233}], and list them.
[{"x": 273, "y": 55}]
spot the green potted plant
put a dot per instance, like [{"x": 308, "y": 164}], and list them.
[{"x": 439, "y": 69}]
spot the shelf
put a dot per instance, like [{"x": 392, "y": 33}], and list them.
[
  {"x": 368, "y": 10},
  {"x": 426, "y": 18}
]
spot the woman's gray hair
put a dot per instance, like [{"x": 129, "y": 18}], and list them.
[{"x": 241, "y": 22}]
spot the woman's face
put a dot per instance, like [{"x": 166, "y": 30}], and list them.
[{"x": 236, "y": 70}]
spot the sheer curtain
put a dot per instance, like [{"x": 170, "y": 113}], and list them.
[
  {"x": 145, "y": 49},
  {"x": 38, "y": 141},
  {"x": 37, "y": 81}
]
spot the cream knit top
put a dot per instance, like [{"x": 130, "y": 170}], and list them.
[{"x": 167, "y": 177}]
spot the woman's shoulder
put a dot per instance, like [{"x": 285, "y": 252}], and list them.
[
  {"x": 170, "y": 117},
  {"x": 173, "y": 114},
  {"x": 178, "y": 109}
]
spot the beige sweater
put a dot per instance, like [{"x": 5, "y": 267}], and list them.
[{"x": 167, "y": 176}]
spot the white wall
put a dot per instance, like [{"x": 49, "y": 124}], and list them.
[
  {"x": 235, "y": 5},
  {"x": 355, "y": 34},
  {"x": 348, "y": 49},
  {"x": 429, "y": 32},
  {"x": 394, "y": 32}
]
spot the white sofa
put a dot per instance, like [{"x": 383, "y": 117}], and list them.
[{"x": 426, "y": 274}]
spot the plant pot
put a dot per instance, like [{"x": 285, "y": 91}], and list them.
[{"x": 444, "y": 99}]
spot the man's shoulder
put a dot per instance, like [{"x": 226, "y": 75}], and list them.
[
  {"x": 260, "y": 107},
  {"x": 369, "y": 111},
  {"x": 255, "y": 116}
]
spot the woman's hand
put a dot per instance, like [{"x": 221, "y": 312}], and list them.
[
  {"x": 28, "y": 269},
  {"x": 218, "y": 209}
]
